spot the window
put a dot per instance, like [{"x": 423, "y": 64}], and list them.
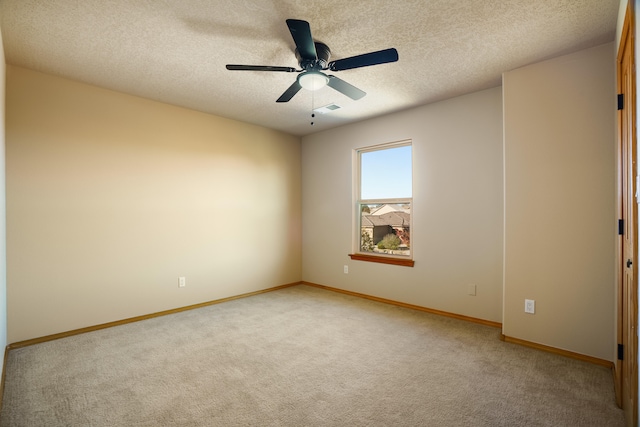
[{"x": 383, "y": 180}]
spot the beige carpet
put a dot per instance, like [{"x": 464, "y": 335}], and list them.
[{"x": 301, "y": 356}]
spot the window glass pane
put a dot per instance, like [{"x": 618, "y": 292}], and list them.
[
  {"x": 385, "y": 228},
  {"x": 386, "y": 174}
]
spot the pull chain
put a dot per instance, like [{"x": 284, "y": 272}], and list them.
[{"x": 313, "y": 98}]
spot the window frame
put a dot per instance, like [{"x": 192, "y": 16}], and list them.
[{"x": 357, "y": 202}]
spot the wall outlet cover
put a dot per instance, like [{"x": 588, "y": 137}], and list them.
[{"x": 530, "y": 306}]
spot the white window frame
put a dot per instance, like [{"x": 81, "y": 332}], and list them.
[{"x": 358, "y": 253}]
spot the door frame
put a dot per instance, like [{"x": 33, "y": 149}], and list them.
[{"x": 627, "y": 294}]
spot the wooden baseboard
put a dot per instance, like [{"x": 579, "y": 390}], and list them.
[
  {"x": 561, "y": 352},
  {"x": 411, "y": 306},
  {"x": 52, "y": 337}
]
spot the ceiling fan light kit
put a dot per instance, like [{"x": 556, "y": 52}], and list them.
[
  {"x": 313, "y": 58},
  {"x": 313, "y": 80}
]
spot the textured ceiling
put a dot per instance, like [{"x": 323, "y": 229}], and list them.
[{"x": 175, "y": 51}]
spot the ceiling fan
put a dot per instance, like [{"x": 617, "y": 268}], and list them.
[{"x": 313, "y": 58}]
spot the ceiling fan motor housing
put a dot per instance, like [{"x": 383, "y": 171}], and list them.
[{"x": 323, "y": 53}]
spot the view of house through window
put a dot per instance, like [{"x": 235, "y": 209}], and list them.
[{"x": 384, "y": 200}]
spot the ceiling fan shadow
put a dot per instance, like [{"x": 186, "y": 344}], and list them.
[{"x": 224, "y": 30}]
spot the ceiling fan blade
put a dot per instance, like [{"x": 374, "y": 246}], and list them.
[
  {"x": 301, "y": 33},
  {"x": 260, "y": 68},
  {"x": 365, "y": 60},
  {"x": 288, "y": 94},
  {"x": 345, "y": 88}
]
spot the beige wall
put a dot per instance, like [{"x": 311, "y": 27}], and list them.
[
  {"x": 560, "y": 228},
  {"x": 3, "y": 230},
  {"x": 110, "y": 198},
  {"x": 457, "y": 213}
]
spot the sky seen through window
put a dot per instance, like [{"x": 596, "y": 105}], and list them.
[{"x": 386, "y": 174}]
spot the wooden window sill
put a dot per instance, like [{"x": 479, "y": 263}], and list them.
[{"x": 382, "y": 259}]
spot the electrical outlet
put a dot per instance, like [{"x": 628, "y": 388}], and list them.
[
  {"x": 472, "y": 290},
  {"x": 346, "y": 269},
  {"x": 530, "y": 306},
  {"x": 182, "y": 282}
]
